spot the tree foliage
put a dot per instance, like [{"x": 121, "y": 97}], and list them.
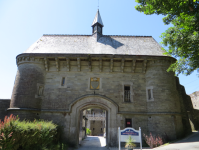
[{"x": 182, "y": 39}]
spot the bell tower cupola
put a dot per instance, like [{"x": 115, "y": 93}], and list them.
[{"x": 97, "y": 24}]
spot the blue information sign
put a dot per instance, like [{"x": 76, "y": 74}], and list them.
[{"x": 130, "y": 132}]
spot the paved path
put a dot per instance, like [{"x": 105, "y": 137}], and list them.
[
  {"x": 93, "y": 143},
  {"x": 98, "y": 143},
  {"x": 189, "y": 143}
]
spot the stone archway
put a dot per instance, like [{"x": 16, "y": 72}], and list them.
[{"x": 100, "y": 102}]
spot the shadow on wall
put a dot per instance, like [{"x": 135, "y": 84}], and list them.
[
  {"x": 107, "y": 40},
  {"x": 190, "y": 116},
  {"x": 4, "y": 105}
]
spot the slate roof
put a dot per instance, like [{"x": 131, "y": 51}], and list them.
[
  {"x": 97, "y": 19},
  {"x": 88, "y": 44}
]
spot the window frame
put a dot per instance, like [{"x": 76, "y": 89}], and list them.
[
  {"x": 65, "y": 82},
  {"x": 129, "y": 93},
  {"x": 130, "y": 84},
  {"x": 147, "y": 93},
  {"x": 126, "y": 123}
]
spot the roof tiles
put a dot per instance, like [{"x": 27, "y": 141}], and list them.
[{"x": 88, "y": 44}]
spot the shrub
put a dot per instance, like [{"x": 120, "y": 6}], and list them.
[
  {"x": 130, "y": 143},
  {"x": 154, "y": 141},
  {"x": 88, "y": 131},
  {"x": 26, "y": 135}
]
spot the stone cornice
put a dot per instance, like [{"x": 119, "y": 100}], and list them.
[
  {"x": 42, "y": 55},
  {"x": 127, "y": 62},
  {"x": 27, "y": 59}
]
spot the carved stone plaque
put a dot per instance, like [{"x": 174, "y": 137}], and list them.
[
  {"x": 40, "y": 90},
  {"x": 94, "y": 83}
]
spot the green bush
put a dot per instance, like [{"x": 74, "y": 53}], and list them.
[
  {"x": 26, "y": 135},
  {"x": 88, "y": 131}
]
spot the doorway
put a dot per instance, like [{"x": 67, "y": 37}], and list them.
[
  {"x": 93, "y": 123},
  {"x": 92, "y": 102}
]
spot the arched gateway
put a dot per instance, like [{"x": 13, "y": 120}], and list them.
[{"x": 97, "y": 101}]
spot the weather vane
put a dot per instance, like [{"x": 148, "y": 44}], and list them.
[{"x": 98, "y": 4}]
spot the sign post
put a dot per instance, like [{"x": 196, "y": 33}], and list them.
[
  {"x": 119, "y": 137},
  {"x": 140, "y": 138},
  {"x": 135, "y": 135}
]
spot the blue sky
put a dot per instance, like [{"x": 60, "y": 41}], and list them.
[{"x": 22, "y": 22}]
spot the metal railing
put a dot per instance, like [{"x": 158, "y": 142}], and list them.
[
  {"x": 127, "y": 95},
  {"x": 96, "y": 117}
]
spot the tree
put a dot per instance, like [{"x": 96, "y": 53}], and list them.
[{"x": 182, "y": 39}]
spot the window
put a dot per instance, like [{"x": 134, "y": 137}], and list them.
[
  {"x": 63, "y": 81},
  {"x": 127, "y": 91},
  {"x": 127, "y": 94},
  {"x": 149, "y": 93},
  {"x": 128, "y": 122}
]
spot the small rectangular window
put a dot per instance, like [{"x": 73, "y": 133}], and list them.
[
  {"x": 126, "y": 93},
  {"x": 149, "y": 94},
  {"x": 128, "y": 123},
  {"x": 63, "y": 81}
]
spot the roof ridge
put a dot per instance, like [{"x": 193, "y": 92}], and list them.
[
  {"x": 67, "y": 34},
  {"x": 91, "y": 35}
]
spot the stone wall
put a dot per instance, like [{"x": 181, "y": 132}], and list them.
[
  {"x": 195, "y": 99},
  {"x": 190, "y": 116},
  {"x": 4, "y": 105},
  {"x": 195, "y": 119},
  {"x": 156, "y": 99},
  {"x": 112, "y": 84},
  {"x": 96, "y": 127}
]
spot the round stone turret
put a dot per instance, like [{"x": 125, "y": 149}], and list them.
[{"x": 29, "y": 85}]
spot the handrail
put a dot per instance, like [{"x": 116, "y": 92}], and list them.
[{"x": 93, "y": 115}]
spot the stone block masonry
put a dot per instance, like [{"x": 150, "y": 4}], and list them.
[
  {"x": 60, "y": 76},
  {"x": 58, "y": 88},
  {"x": 195, "y": 99},
  {"x": 4, "y": 105}
]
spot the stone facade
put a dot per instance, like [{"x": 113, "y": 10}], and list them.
[
  {"x": 195, "y": 99},
  {"x": 61, "y": 103},
  {"x": 96, "y": 127},
  {"x": 61, "y": 76},
  {"x": 96, "y": 121}
]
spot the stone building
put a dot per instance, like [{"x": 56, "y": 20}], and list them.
[
  {"x": 60, "y": 76},
  {"x": 96, "y": 121},
  {"x": 195, "y": 99}
]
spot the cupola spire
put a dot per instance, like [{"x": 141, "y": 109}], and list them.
[{"x": 97, "y": 24}]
